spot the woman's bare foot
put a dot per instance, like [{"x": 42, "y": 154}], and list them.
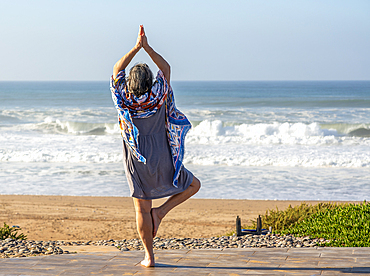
[
  {"x": 147, "y": 263},
  {"x": 156, "y": 220}
]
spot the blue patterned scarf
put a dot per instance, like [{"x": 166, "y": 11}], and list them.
[{"x": 129, "y": 106}]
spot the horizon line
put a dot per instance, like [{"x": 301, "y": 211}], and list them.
[{"x": 107, "y": 80}]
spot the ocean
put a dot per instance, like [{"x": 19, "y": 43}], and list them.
[{"x": 283, "y": 140}]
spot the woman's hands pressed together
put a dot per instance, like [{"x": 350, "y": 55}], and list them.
[
  {"x": 142, "y": 42},
  {"x": 139, "y": 40}
]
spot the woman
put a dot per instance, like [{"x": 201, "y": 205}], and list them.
[{"x": 153, "y": 132}]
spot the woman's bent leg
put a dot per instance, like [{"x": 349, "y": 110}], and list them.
[
  {"x": 159, "y": 213},
  {"x": 144, "y": 223}
]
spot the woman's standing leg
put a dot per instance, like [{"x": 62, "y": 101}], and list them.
[
  {"x": 144, "y": 225},
  {"x": 159, "y": 213}
]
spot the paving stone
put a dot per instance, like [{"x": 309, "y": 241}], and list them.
[
  {"x": 170, "y": 254},
  {"x": 231, "y": 265},
  {"x": 193, "y": 266},
  {"x": 78, "y": 272},
  {"x": 274, "y": 261},
  {"x": 302, "y": 263},
  {"x": 299, "y": 270},
  {"x": 263, "y": 272},
  {"x": 336, "y": 271},
  {"x": 339, "y": 264},
  {"x": 360, "y": 250},
  {"x": 276, "y": 253},
  {"x": 162, "y": 269},
  {"x": 229, "y": 259},
  {"x": 116, "y": 272},
  {"x": 268, "y": 250},
  {"x": 226, "y": 274},
  {"x": 359, "y": 256},
  {"x": 305, "y": 254},
  {"x": 302, "y": 259},
  {"x": 23, "y": 271},
  {"x": 161, "y": 273},
  {"x": 227, "y": 255},
  {"x": 206, "y": 270},
  {"x": 341, "y": 255},
  {"x": 262, "y": 263},
  {"x": 87, "y": 248},
  {"x": 271, "y": 257}
]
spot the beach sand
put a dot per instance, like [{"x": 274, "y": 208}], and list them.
[{"x": 102, "y": 218}]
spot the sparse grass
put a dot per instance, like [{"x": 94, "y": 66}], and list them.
[{"x": 281, "y": 220}]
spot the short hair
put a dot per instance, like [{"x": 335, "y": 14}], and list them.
[{"x": 140, "y": 79}]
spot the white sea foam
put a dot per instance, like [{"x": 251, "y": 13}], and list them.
[
  {"x": 215, "y": 132},
  {"x": 64, "y": 114},
  {"x": 281, "y": 115},
  {"x": 211, "y": 142},
  {"x": 218, "y": 149},
  {"x": 280, "y": 156},
  {"x": 77, "y": 128},
  {"x": 52, "y": 125},
  {"x": 29, "y": 147},
  {"x": 281, "y": 183}
]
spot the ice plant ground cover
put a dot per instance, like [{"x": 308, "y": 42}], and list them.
[{"x": 345, "y": 225}]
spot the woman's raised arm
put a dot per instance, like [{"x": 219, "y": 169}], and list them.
[
  {"x": 126, "y": 59},
  {"x": 157, "y": 58}
]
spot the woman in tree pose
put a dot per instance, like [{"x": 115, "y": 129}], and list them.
[{"x": 153, "y": 132}]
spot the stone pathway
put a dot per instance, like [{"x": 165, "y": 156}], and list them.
[{"x": 264, "y": 261}]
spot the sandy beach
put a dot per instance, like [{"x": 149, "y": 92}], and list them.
[{"x": 96, "y": 218}]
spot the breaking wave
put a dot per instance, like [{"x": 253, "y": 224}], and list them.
[{"x": 216, "y": 132}]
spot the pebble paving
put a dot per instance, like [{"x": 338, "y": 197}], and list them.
[
  {"x": 227, "y": 261},
  {"x": 24, "y": 248}
]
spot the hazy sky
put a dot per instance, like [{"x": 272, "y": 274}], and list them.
[{"x": 202, "y": 40}]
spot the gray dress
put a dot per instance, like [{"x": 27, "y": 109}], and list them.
[{"x": 153, "y": 179}]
